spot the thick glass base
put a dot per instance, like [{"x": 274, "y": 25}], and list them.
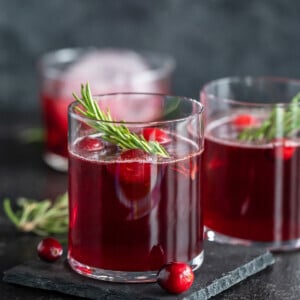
[
  {"x": 57, "y": 162},
  {"x": 123, "y": 276},
  {"x": 274, "y": 246}
]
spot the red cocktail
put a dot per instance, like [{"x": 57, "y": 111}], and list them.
[
  {"x": 251, "y": 169},
  {"x": 132, "y": 211},
  {"x": 108, "y": 70},
  {"x": 242, "y": 184},
  {"x": 56, "y": 122}
]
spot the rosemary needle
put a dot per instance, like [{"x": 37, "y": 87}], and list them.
[
  {"x": 40, "y": 217},
  {"x": 282, "y": 122},
  {"x": 116, "y": 134}
]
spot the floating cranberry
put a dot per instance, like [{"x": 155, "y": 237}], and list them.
[
  {"x": 175, "y": 277},
  {"x": 135, "y": 168},
  {"x": 156, "y": 134},
  {"x": 90, "y": 144},
  {"x": 284, "y": 149},
  {"x": 244, "y": 120},
  {"x": 49, "y": 249}
]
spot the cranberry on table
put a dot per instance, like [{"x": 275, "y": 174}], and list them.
[
  {"x": 49, "y": 249},
  {"x": 175, "y": 277}
]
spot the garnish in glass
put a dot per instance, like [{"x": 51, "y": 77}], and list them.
[
  {"x": 281, "y": 123},
  {"x": 116, "y": 134}
]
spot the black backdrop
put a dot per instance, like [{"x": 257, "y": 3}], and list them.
[{"x": 208, "y": 38}]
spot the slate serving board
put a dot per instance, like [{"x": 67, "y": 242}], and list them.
[{"x": 223, "y": 267}]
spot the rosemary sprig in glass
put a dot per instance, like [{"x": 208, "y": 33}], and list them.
[
  {"x": 282, "y": 122},
  {"x": 40, "y": 217},
  {"x": 116, "y": 134}
]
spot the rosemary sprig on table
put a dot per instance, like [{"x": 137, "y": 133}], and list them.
[
  {"x": 32, "y": 135},
  {"x": 281, "y": 123},
  {"x": 40, "y": 217},
  {"x": 116, "y": 134}
]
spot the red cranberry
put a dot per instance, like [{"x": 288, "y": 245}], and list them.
[
  {"x": 175, "y": 277},
  {"x": 244, "y": 120},
  {"x": 284, "y": 149},
  {"x": 134, "y": 169},
  {"x": 49, "y": 249},
  {"x": 90, "y": 144},
  {"x": 156, "y": 134}
]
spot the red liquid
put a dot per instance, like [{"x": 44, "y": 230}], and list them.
[
  {"x": 117, "y": 223},
  {"x": 55, "y": 111},
  {"x": 251, "y": 192}
]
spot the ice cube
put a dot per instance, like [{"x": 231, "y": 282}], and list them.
[{"x": 107, "y": 71}]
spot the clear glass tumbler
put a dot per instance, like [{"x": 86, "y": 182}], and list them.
[
  {"x": 107, "y": 70},
  {"x": 251, "y": 165},
  {"x": 132, "y": 211}
]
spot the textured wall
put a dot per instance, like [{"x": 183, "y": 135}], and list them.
[{"x": 208, "y": 38}]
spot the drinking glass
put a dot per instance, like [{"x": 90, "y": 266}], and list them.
[
  {"x": 251, "y": 165},
  {"x": 107, "y": 70},
  {"x": 133, "y": 211}
]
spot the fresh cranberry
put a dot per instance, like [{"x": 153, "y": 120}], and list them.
[
  {"x": 49, "y": 249},
  {"x": 175, "y": 277},
  {"x": 244, "y": 120},
  {"x": 90, "y": 144},
  {"x": 156, "y": 134},
  {"x": 284, "y": 149},
  {"x": 133, "y": 167}
]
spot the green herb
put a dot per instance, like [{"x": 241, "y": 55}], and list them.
[
  {"x": 116, "y": 134},
  {"x": 172, "y": 108},
  {"x": 40, "y": 217},
  {"x": 32, "y": 135},
  {"x": 281, "y": 123}
]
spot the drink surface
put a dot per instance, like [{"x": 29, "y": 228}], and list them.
[
  {"x": 250, "y": 191},
  {"x": 134, "y": 212}
]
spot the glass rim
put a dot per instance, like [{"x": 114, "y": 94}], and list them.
[
  {"x": 77, "y": 116},
  {"x": 248, "y": 79},
  {"x": 65, "y": 55}
]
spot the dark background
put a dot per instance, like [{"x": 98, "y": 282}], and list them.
[{"x": 208, "y": 38}]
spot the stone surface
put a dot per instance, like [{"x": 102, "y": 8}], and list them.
[
  {"x": 223, "y": 267},
  {"x": 23, "y": 173}
]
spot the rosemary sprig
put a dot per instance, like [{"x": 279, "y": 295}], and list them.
[
  {"x": 116, "y": 134},
  {"x": 280, "y": 123},
  {"x": 32, "y": 135},
  {"x": 40, "y": 217}
]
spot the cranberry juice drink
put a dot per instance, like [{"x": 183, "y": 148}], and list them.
[
  {"x": 109, "y": 70},
  {"x": 243, "y": 183},
  {"x": 55, "y": 117},
  {"x": 251, "y": 165},
  {"x": 136, "y": 209},
  {"x": 131, "y": 211}
]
